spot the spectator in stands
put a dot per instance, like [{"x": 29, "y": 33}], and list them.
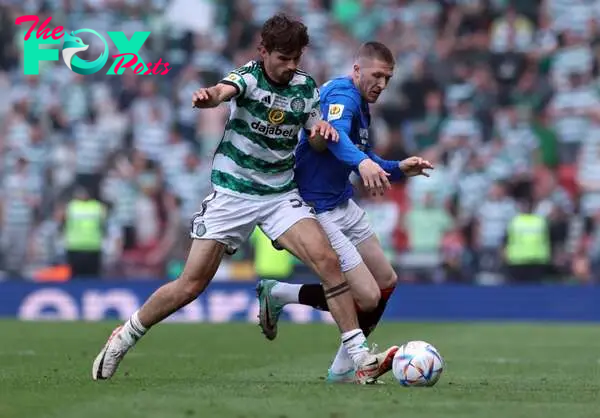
[
  {"x": 423, "y": 131},
  {"x": 20, "y": 198},
  {"x": 553, "y": 203},
  {"x": 384, "y": 217},
  {"x": 492, "y": 218},
  {"x": 84, "y": 227},
  {"x": 426, "y": 224},
  {"x": 528, "y": 250},
  {"x": 588, "y": 174},
  {"x": 571, "y": 109}
]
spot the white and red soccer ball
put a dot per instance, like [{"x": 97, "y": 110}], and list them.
[{"x": 417, "y": 363}]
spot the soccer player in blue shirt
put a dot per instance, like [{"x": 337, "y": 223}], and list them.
[{"x": 322, "y": 174}]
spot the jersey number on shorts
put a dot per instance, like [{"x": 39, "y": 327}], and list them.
[{"x": 297, "y": 203}]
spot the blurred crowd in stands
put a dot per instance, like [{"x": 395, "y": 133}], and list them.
[{"x": 502, "y": 96}]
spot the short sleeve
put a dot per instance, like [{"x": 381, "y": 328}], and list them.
[
  {"x": 241, "y": 78},
  {"x": 339, "y": 110}
]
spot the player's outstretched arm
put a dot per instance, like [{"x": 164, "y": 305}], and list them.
[
  {"x": 340, "y": 111},
  {"x": 374, "y": 177},
  {"x": 391, "y": 166},
  {"x": 415, "y": 166},
  {"x": 213, "y": 96},
  {"x": 410, "y": 167}
]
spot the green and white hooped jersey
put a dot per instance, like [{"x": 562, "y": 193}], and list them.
[{"x": 255, "y": 158}]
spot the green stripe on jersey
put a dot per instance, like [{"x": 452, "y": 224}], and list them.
[
  {"x": 247, "y": 161},
  {"x": 286, "y": 142},
  {"x": 244, "y": 186}
]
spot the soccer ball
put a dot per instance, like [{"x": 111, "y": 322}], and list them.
[{"x": 417, "y": 363}]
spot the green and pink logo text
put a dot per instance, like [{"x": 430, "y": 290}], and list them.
[{"x": 127, "y": 57}]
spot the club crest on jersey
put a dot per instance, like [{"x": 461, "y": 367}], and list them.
[
  {"x": 297, "y": 104},
  {"x": 335, "y": 112},
  {"x": 276, "y": 116},
  {"x": 233, "y": 77}
]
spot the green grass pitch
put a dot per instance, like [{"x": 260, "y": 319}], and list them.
[{"x": 231, "y": 370}]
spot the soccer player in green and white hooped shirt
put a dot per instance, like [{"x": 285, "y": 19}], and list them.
[{"x": 253, "y": 179}]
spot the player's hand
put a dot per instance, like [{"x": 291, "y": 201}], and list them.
[
  {"x": 415, "y": 166},
  {"x": 203, "y": 97},
  {"x": 324, "y": 130},
  {"x": 375, "y": 179}
]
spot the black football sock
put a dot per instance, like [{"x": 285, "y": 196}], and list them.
[{"x": 313, "y": 295}]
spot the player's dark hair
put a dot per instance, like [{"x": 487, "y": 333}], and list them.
[
  {"x": 375, "y": 50},
  {"x": 283, "y": 34}
]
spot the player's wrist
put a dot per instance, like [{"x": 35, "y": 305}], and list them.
[
  {"x": 362, "y": 161},
  {"x": 401, "y": 166}
]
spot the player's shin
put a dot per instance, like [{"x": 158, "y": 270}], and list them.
[
  {"x": 166, "y": 300},
  {"x": 169, "y": 299},
  {"x": 201, "y": 265},
  {"x": 341, "y": 305},
  {"x": 314, "y": 295},
  {"x": 342, "y": 362}
]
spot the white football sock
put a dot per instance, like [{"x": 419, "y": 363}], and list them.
[
  {"x": 133, "y": 328},
  {"x": 356, "y": 345},
  {"x": 286, "y": 292},
  {"x": 342, "y": 361}
]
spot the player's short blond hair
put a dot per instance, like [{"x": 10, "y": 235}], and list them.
[{"x": 375, "y": 50}]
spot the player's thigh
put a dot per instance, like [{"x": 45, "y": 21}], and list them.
[
  {"x": 307, "y": 241},
  {"x": 345, "y": 250},
  {"x": 356, "y": 224},
  {"x": 293, "y": 224},
  {"x": 280, "y": 214},
  {"x": 226, "y": 219},
  {"x": 364, "y": 287},
  {"x": 373, "y": 256}
]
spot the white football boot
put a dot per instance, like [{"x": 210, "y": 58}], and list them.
[{"x": 116, "y": 347}]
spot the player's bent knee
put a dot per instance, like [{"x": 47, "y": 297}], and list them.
[
  {"x": 393, "y": 280},
  {"x": 389, "y": 280},
  {"x": 368, "y": 299}
]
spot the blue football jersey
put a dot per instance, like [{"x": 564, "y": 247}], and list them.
[{"x": 323, "y": 178}]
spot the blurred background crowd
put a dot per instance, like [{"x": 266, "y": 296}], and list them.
[{"x": 502, "y": 96}]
